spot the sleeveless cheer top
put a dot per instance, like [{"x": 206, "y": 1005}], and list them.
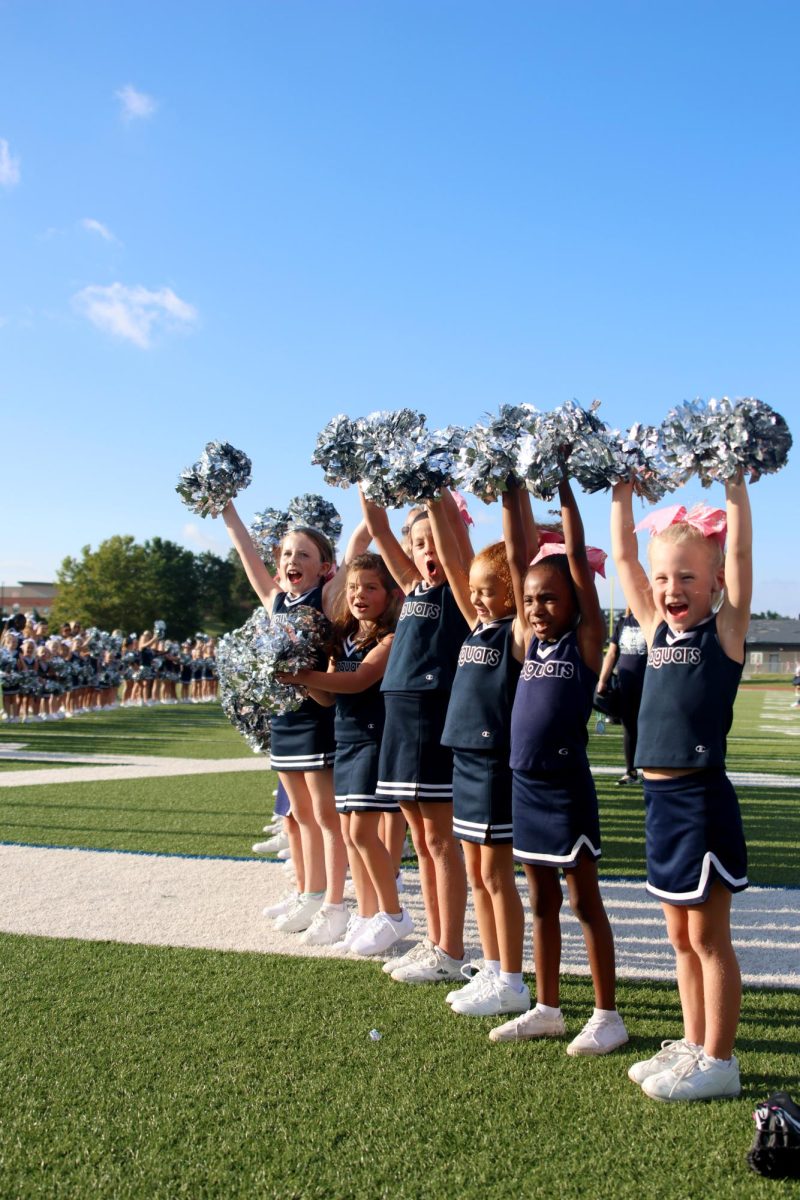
[
  {"x": 284, "y": 603},
  {"x": 430, "y": 630},
  {"x": 551, "y": 707},
  {"x": 479, "y": 712},
  {"x": 360, "y": 715},
  {"x": 690, "y": 685}
]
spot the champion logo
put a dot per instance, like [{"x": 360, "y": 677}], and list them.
[
  {"x": 485, "y": 733},
  {"x": 700, "y": 749}
]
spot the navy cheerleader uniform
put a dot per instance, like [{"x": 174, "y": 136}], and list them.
[
  {"x": 477, "y": 729},
  {"x": 413, "y": 764},
  {"x": 693, "y": 827},
  {"x": 554, "y": 802},
  {"x": 302, "y": 740},
  {"x": 358, "y": 727}
]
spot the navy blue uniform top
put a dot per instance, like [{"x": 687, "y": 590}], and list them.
[
  {"x": 551, "y": 707},
  {"x": 479, "y": 712},
  {"x": 359, "y": 715},
  {"x": 687, "y": 703},
  {"x": 430, "y": 630},
  {"x": 284, "y": 603},
  {"x": 631, "y": 645}
]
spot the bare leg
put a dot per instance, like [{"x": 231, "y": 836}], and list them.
[
  {"x": 292, "y": 831},
  {"x": 427, "y": 872},
  {"x": 544, "y": 887},
  {"x": 364, "y": 828},
  {"x": 320, "y": 787},
  {"x": 451, "y": 877},
  {"x": 689, "y": 973},
  {"x": 310, "y": 832},
  {"x": 366, "y": 899},
  {"x": 497, "y": 869},
  {"x": 393, "y": 836},
  {"x": 482, "y": 900},
  {"x": 587, "y": 904},
  {"x": 710, "y": 936}
]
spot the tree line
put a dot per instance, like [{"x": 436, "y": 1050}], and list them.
[{"x": 127, "y": 585}]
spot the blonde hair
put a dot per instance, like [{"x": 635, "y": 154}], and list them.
[
  {"x": 682, "y": 533},
  {"x": 495, "y": 558}
]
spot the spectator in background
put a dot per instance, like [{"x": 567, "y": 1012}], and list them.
[{"x": 627, "y": 651}]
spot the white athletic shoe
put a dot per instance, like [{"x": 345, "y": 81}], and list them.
[
  {"x": 273, "y": 845},
  {"x": 532, "y": 1024},
  {"x": 301, "y": 914},
  {"x": 433, "y": 967},
  {"x": 355, "y": 926},
  {"x": 382, "y": 932},
  {"x": 419, "y": 951},
  {"x": 600, "y": 1035},
  {"x": 668, "y": 1056},
  {"x": 281, "y": 906},
  {"x": 471, "y": 973},
  {"x": 491, "y": 997},
  {"x": 328, "y": 927},
  {"x": 695, "y": 1077}
]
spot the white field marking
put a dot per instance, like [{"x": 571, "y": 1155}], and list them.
[
  {"x": 778, "y": 729},
  {"x": 149, "y": 899},
  {"x": 134, "y": 768}
]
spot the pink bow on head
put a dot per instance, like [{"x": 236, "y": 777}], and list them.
[
  {"x": 553, "y": 543},
  {"x": 461, "y": 505},
  {"x": 711, "y": 522}
]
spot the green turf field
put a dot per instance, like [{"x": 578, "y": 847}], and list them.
[{"x": 139, "y": 1072}]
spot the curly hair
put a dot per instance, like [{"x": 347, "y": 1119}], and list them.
[
  {"x": 346, "y": 625},
  {"x": 495, "y": 558}
]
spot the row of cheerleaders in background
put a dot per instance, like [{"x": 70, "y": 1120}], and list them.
[
  {"x": 398, "y": 461},
  {"x": 49, "y": 677}
]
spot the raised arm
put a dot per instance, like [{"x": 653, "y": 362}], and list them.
[
  {"x": 519, "y": 534},
  {"x": 625, "y": 550},
  {"x": 400, "y": 565},
  {"x": 734, "y": 615},
  {"x": 262, "y": 583},
  {"x": 607, "y": 669},
  {"x": 591, "y": 630},
  {"x": 445, "y": 520},
  {"x": 358, "y": 542},
  {"x": 461, "y": 530}
]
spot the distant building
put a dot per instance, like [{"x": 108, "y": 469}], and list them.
[
  {"x": 773, "y": 647},
  {"x": 26, "y": 595}
]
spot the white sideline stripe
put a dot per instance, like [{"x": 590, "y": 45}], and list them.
[
  {"x": 149, "y": 899},
  {"x": 137, "y": 768}
]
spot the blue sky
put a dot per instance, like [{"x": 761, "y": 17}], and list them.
[{"x": 238, "y": 220}]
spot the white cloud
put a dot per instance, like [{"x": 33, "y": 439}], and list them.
[
  {"x": 135, "y": 105},
  {"x": 133, "y": 313},
  {"x": 198, "y": 537},
  {"x": 98, "y": 227},
  {"x": 9, "y": 166}
]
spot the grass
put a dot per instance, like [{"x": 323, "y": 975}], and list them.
[
  {"x": 137, "y": 1072},
  {"x": 131, "y": 1071}
]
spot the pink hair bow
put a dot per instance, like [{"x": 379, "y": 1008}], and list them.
[
  {"x": 711, "y": 522},
  {"x": 553, "y": 543},
  {"x": 461, "y": 505}
]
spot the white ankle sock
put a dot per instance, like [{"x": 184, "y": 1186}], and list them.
[
  {"x": 492, "y": 965},
  {"x": 547, "y": 1011},
  {"x": 513, "y": 979},
  {"x": 605, "y": 1014}
]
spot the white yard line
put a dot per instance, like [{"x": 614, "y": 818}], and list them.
[{"x": 148, "y": 899}]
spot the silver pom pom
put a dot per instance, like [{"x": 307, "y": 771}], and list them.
[
  {"x": 489, "y": 455},
  {"x": 313, "y": 510},
  {"x": 220, "y": 473},
  {"x": 716, "y": 440}
]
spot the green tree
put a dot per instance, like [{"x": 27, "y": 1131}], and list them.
[
  {"x": 170, "y": 588},
  {"x": 103, "y": 587}
]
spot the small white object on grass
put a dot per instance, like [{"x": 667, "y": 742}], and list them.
[{"x": 375, "y": 1035}]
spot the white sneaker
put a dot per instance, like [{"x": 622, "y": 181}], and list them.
[
  {"x": 355, "y": 926},
  {"x": 433, "y": 967},
  {"x": 491, "y": 997},
  {"x": 275, "y": 826},
  {"x": 279, "y": 842},
  {"x": 382, "y": 932},
  {"x": 328, "y": 926},
  {"x": 695, "y": 1077},
  {"x": 600, "y": 1035},
  {"x": 285, "y": 855},
  {"x": 416, "y": 952},
  {"x": 668, "y": 1056},
  {"x": 301, "y": 914},
  {"x": 532, "y": 1024},
  {"x": 281, "y": 906},
  {"x": 472, "y": 974}
]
